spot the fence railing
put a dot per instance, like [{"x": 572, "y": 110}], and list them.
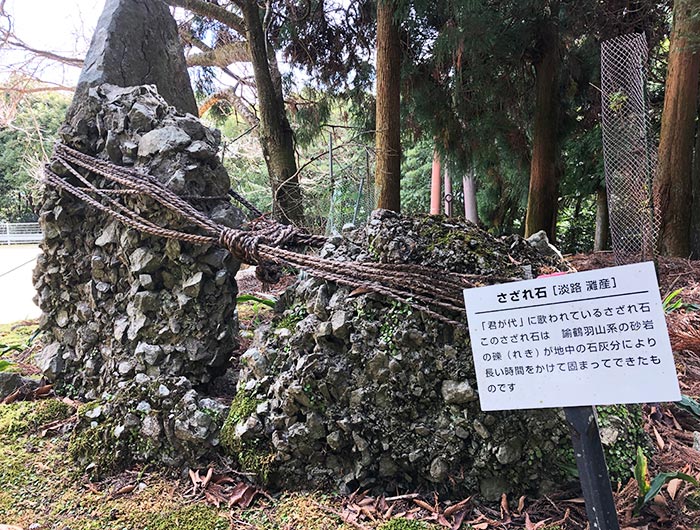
[{"x": 20, "y": 233}]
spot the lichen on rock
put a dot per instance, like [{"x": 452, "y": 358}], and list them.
[
  {"x": 127, "y": 315},
  {"x": 358, "y": 391}
]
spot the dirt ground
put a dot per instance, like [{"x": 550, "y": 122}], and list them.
[{"x": 41, "y": 489}]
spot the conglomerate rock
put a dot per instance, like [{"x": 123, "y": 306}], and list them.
[
  {"x": 351, "y": 390},
  {"x": 124, "y": 310},
  {"x": 136, "y": 43}
]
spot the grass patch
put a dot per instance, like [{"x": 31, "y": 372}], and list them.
[{"x": 17, "y": 336}]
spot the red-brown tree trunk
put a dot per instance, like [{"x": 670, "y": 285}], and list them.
[
  {"x": 544, "y": 168},
  {"x": 695, "y": 221},
  {"x": 673, "y": 188},
  {"x": 388, "y": 169}
]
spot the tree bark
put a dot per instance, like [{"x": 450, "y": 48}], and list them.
[
  {"x": 435, "y": 185},
  {"x": 275, "y": 133},
  {"x": 695, "y": 221},
  {"x": 602, "y": 220},
  {"x": 471, "y": 213},
  {"x": 673, "y": 187},
  {"x": 448, "y": 192},
  {"x": 388, "y": 169},
  {"x": 544, "y": 168}
]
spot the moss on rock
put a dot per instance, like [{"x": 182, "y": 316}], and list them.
[
  {"x": 21, "y": 417},
  {"x": 622, "y": 431},
  {"x": 252, "y": 454}
]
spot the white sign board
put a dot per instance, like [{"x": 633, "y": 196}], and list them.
[{"x": 588, "y": 338}]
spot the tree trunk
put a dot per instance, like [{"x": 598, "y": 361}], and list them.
[
  {"x": 544, "y": 168},
  {"x": 602, "y": 220},
  {"x": 435, "y": 185},
  {"x": 448, "y": 192},
  {"x": 275, "y": 133},
  {"x": 695, "y": 221},
  {"x": 388, "y": 172},
  {"x": 574, "y": 227},
  {"x": 471, "y": 213},
  {"x": 673, "y": 183}
]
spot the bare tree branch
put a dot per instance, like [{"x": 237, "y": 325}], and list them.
[
  {"x": 214, "y": 11},
  {"x": 70, "y": 61},
  {"x": 242, "y": 107},
  {"x": 34, "y": 90},
  {"x": 221, "y": 56}
]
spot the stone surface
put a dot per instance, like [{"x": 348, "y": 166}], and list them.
[
  {"x": 457, "y": 392},
  {"x": 362, "y": 392},
  {"x": 9, "y": 382},
  {"x": 122, "y": 308},
  {"x": 136, "y": 43},
  {"x": 540, "y": 241}
]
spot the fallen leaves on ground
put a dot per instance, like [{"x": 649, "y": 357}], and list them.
[{"x": 224, "y": 490}]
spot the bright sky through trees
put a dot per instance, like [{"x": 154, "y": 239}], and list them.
[{"x": 61, "y": 26}]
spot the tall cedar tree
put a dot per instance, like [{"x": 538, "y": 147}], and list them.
[
  {"x": 695, "y": 222},
  {"x": 673, "y": 185},
  {"x": 544, "y": 168},
  {"x": 388, "y": 168}
]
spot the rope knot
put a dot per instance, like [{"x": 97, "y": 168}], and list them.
[
  {"x": 244, "y": 246},
  {"x": 241, "y": 244}
]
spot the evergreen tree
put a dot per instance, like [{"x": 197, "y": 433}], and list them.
[{"x": 673, "y": 184}]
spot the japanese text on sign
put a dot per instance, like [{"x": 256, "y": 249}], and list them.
[{"x": 589, "y": 338}]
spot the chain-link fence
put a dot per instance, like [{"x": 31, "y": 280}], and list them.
[
  {"x": 630, "y": 160},
  {"x": 339, "y": 186}
]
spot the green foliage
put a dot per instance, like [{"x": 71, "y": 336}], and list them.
[
  {"x": 17, "y": 337},
  {"x": 621, "y": 454},
  {"x": 392, "y": 321},
  {"x": 673, "y": 302},
  {"x": 24, "y": 145},
  {"x": 292, "y": 316},
  {"x": 689, "y": 405},
  {"x": 252, "y": 298},
  {"x": 648, "y": 490}
]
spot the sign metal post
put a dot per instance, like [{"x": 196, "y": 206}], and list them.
[{"x": 592, "y": 469}]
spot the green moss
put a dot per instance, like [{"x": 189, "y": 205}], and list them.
[
  {"x": 242, "y": 406},
  {"x": 17, "y": 336},
  {"x": 399, "y": 523},
  {"x": 306, "y": 510},
  {"x": 24, "y": 416},
  {"x": 393, "y": 320},
  {"x": 621, "y": 455},
  {"x": 292, "y": 316},
  {"x": 254, "y": 456},
  {"x": 13, "y": 418},
  {"x": 193, "y": 517},
  {"x": 50, "y": 410},
  {"x": 96, "y": 447}
]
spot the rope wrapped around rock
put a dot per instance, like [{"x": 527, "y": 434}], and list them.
[{"x": 262, "y": 242}]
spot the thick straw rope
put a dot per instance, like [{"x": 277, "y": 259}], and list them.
[{"x": 264, "y": 242}]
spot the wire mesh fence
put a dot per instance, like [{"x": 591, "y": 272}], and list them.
[
  {"x": 339, "y": 187},
  {"x": 20, "y": 233},
  {"x": 630, "y": 159}
]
